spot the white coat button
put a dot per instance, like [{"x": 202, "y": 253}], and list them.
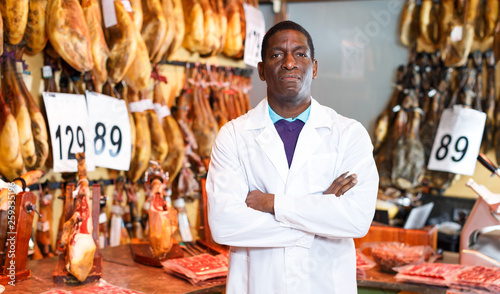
[
  {"x": 289, "y": 253},
  {"x": 302, "y": 242}
]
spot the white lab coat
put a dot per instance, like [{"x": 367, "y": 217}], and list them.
[{"x": 307, "y": 246}]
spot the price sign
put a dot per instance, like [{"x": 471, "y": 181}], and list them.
[
  {"x": 255, "y": 30},
  {"x": 110, "y": 129},
  {"x": 457, "y": 142},
  {"x": 68, "y": 127}
]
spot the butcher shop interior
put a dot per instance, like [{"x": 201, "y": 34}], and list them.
[{"x": 110, "y": 112}]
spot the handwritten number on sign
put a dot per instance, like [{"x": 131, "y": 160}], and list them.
[
  {"x": 99, "y": 137},
  {"x": 117, "y": 142},
  {"x": 459, "y": 147},
  {"x": 80, "y": 139},
  {"x": 100, "y": 130}
]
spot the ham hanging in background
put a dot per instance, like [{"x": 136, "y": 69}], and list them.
[
  {"x": 137, "y": 15},
  {"x": 139, "y": 163},
  {"x": 193, "y": 20},
  {"x": 122, "y": 42},
  {"x": 154, "y": 26},
  {"x": 15, "y": 19},
  {"x": 234, "y": 37},
  {"x": 455, "y": 51},
  {"x": 211, "y": 41},
  {"x": 36, "y": 35},
  {"x": 11, "y": 161},
  {"x": 159, "y": 144},
  {"x": 179, "y": 28},
  {"x": 68, "y": 33},
  {"x": 139, "y": 72},
  {"x": 12, "y": 93},
  {"x": 176, "y": 148},
  {"x": 100, "y": 50},
  {"x": 38, "y": 123},
  {"x": 168, "y": 10}
]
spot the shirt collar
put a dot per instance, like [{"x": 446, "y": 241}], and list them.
[{"x": 303, "y": 116}]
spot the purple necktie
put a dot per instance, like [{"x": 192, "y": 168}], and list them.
[{"x": 289, "y": 133}]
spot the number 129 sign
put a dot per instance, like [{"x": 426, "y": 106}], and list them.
[
  {"x": 68, "y": 124},
  {"x": 457, "y": 142}
]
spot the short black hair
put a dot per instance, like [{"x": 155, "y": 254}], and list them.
[{"x": 281, "y": 26}]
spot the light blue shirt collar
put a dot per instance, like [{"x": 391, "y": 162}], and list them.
[{"x": 304, "y": 116}]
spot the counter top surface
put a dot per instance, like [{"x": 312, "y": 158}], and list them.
[{"x": 119, "y": 269}]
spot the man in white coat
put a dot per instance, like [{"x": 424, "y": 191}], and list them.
[{"x": 292, "y": 182}]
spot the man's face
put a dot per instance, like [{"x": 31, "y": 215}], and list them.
[{"x": 288, "y": 68}]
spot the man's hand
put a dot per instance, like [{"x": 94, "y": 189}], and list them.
[
  {"x": 260, "y": 201},
  {"x": 342, "y": 184}
]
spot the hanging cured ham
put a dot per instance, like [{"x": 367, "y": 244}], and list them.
[
  {"x": 176, "y": 149},
  {"x": 193, "y": 19},
  {"x": 221, "y": 19},
  {"x": 162, "y": 215},
  {"x": 35, "y": 34},
  {"x": 489, "y": 102},
  {"x": 179, "y": 28},
  {"x": 234, "y": 36},
  {"x": 15, "y": 18},
  {"x": 430, "y": 31},
  {"x": 203, "y": 123},
  {"x": 13, "y": 95},
  {"x": 139, "y": 72},
  {"x": 38, "y": 123},
  {"x": 68, "y": 33},
  {"x": 100, "y": 50},
  {"x": 409, "y": 158},
  {"x": 77, "y": 235},
  {"x": 139, "y": 163},
  {"x": 122, "y": 42},
  {"x": 137, "y": 13},
  {"x": 409, "y": 25},
  {"x": 168, "y": 10},
  {"x": 154, "y": 26},
  {"x": 11, "y": 161},
  {"x": 484, "y": 24},
  {"x": 459, "y": 34},
  {"x": 159, "y": 144},
  {"x": 211, "y": 41}
]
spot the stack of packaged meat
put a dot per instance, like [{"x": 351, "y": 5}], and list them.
[
  {"x": 394, "y": 254},
  {"x": 200, "y": 269},
  {"x": 459, "y": 278},
  {"x": 363, "y": 263},
  {"x": 100, "y": 287}
]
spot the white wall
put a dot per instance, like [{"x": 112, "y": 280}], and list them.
[{"x": 358, "y": 51}]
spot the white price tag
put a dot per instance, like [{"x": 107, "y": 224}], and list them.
[
  {"x": 109, "y": 127},
  {"x": 103, "y": 218},
  {"x": 46, "y": 72},
  {"x": 457, "y": 142},
  {"x": 456, "y": 34},
  {"x": 68, "y": 127},
  {"x": 127, "y": 5},
  {"x": 43, "y": 226},
  {"x": 109, "y": 13},
  {"x": 255, "y": 30},
  {"x": 161, "y": 111}
]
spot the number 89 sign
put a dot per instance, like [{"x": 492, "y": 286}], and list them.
[
  {"x": 110, "y": 129},
  {"x": 457, "y": 142}
]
